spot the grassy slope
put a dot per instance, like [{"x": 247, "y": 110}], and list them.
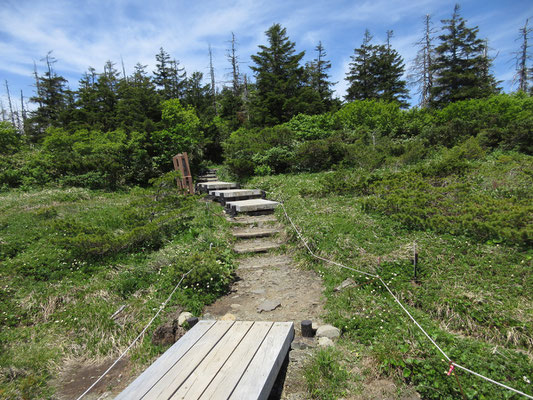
[
  {"x": 474, "y": 297},
  {"x": 55, "y": 305}
]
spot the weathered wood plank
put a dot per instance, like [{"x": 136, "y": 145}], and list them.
[
  {"x": 229, "y": 375},
  {"x": 259, "y": 377},
  {"x": 180, "y": 371},
  {"x": 138, "y": 388},
  {"x": 200, "y": 379}
]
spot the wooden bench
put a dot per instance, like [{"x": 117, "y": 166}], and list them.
[{"x": 217, "y": 360}]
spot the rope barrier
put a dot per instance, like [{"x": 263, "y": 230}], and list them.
[
  {"x": 138, "y": 337},
  {"x": 403, "y": 308}
]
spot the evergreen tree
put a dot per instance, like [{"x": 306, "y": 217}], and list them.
[
  {"x": 198, "y": 95},
  {"x": 50, "y": 96},
  {"x": 361, "y": 77},
  {"x": 138, "y": 107},
  {"x": 107, "y": 97},
  {"x": 376, "y": 72},
  {"x": 278, "y": 78},
  {"x": 462, "y": 65},
  {"x": 169, "y": 77},
  {"x": 389, "y": 68},
  {"x": 317, "y": 71}
]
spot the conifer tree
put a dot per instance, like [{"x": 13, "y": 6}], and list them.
[
  {"x": 169, "y": 77},
  {"x": 50, "y": 96},
  {"x": 376, "y": 73},
  {"x": 462, "y": 65},
  {"x": 360, "y": 77},
  {"x": 317, "y": 71},
  {"x": 278, "y": 78}
]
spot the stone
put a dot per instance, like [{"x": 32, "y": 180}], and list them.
[
  {"x": 344, "y": 284},
  {"x": 228, "y": 317},
  {"x": 184, "y": 316},
  {"x": 328, "y": 331},
  {"x": 235, "y": 306},
  {"x": 325, "y": 342},
  {"x": 300, "y": 345},
  {"x": 258, "y": 291},
  {"x": 208, "y": 316},
  {"x": 269, "y": 305}
]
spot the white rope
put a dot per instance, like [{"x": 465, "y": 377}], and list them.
[
  {"x": 493, "y": 381},
  {"x": 138, "y": 337},
  {"x": 404, "y": 309}
]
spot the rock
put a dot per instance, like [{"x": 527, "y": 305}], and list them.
[
  {"x": 184, "y": 316},
  {"x": 208, "y": 316},
  {"x": 325, "y": 342},
  {"x": 344, "y": 284},
  {"x": 235, "y": 306},
  {"x": 328, "y": 331},
  {"x": 301, "y": 345},
  {"x": 269, "y": 305},
  {"x": 228, "y": 317},
  {"x": 258, "y": 291},
  {"x": 314, "y": 326},
  {"x": 167, "y": 334}
]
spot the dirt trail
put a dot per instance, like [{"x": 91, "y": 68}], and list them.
[{"x": 271, "y": 286}]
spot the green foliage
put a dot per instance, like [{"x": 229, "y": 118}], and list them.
[
  {"x": 312, "y": 127},
  {"x": 247, "y": 149},
  {"x": 471, "y": 296},
  {"x": 181, "y": 134},
  {"x": 58, "y": 292},
  {"x": 10, "y": 140},
  {"x": 461, "y": 66},
  {"x": 326, "y": 377},
  {"x": 374, "y": 115}
]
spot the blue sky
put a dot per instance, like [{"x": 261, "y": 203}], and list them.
[{"x": 87, "y": 33}]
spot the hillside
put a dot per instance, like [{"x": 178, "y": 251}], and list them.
[{"x": 471, "y": 226}]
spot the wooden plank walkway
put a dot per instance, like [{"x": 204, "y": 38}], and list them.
[{"x": 217, "y": 360}]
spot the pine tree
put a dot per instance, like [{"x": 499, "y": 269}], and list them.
[
  {"x": 317, "y": 71},
  {"x": 360, "y": 77},
  {"x": 50, "y": 96},
  {"x": 462, "y": 65},
  {"x": 376, "y": 72},
  {"x": 389, "y": 69},
  {"x": 198, "y": 95},
  {"x": 278, "y": 78},
  {"x": 169, "y": 76}
]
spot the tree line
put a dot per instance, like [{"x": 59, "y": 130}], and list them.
[{"x": 169, "y": 110}]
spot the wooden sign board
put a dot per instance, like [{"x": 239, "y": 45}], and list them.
[{"x": 181, "y": 164}]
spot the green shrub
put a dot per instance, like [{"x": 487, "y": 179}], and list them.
[
  {"x": 313, "y": 127},
  {"x": 377, "y": 116}
]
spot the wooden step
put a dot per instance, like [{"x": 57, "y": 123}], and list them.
[
  {"x": 254, "y": 233},
  {"x": 217, "y": 360},
  {"x": 224, "y": 196},
  {"x": 205, "y": 187},
  {"x": 255, "y": 246},
  {"x": 251, "y": 206},
  {"x": 252, "y": 219}
]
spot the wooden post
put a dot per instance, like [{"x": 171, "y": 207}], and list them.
[
  {"x": 181, "y": 164},
  {"x": 415, "y": 260}
]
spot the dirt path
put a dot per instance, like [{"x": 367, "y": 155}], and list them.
[{"x": 271, "y": 286}]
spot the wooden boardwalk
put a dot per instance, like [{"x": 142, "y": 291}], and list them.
[{"x": 237, "y": 360}]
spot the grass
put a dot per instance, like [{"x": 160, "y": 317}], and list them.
[
  {"x": 473, "y": 295},
  {"x": 69, "y": 260}
]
